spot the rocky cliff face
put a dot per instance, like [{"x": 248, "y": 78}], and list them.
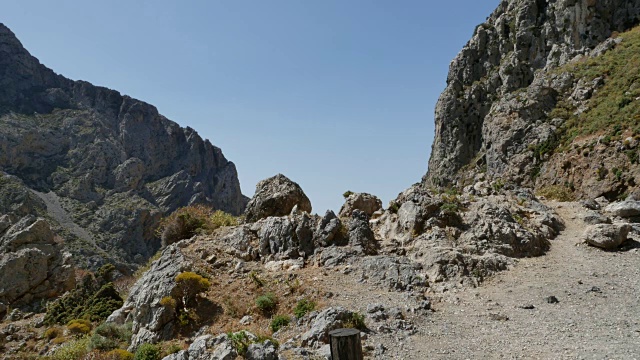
[
  {"x": 496, "y": 113},
  {"x": 106, "y": 166}
]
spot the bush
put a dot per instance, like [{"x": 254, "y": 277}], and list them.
[
  {"x": 303, "y": 307},
  {"x": 191, "y": 284},
  {"x": 188, "y": 221},
  {"x": 51, "y": 333},
  {"x": 79, "y": 327},
  {"x": 557, "y": 192},
  {"x": 240, "y": 342},
  {"x": 266, "y": 303},
  {"x": 110, "y": 336},
  {"x": 72, "y": 350},
  {"x": 120, "y": 354},
  {"x": 347, "y": 193},
  {"x": 169, "y": 302},
  {"x": 94, "y": 298},
  {"x": 147, "y": 352},
  {"x": 355, "y": 321},
  {"x": 279, "y": 321},
  {"x": 221, "y": 218}
]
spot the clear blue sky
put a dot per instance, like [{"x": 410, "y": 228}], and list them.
[{"x": 336, "y": 94}]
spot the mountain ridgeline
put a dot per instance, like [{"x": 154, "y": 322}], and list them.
[{"x": 102, "y": 167}]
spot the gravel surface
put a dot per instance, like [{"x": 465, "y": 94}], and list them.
[{"x": 575, "y": 302}]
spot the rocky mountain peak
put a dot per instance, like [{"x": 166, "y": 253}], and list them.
[
  {"x": 520, "y": 42},
  {"x": 108, "y": 166}
]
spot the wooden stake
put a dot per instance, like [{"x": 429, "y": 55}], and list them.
[{"x": 345, "y": 344}]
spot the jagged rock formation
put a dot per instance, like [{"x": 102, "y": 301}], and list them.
[
  {"x": 32, "y": 265},
  {"x": 495, "y": 115},
  {"x": 107, "y": 165},
  {"x": 152, "y": 321},
  {"x": 276, "y": 196},
  {"x": 364, "y": 202}
]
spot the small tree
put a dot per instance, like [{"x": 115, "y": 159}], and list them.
[{"x": 189, "y": 285}]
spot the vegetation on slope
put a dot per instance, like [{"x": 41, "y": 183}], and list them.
[{"x": 614, "y": 107}]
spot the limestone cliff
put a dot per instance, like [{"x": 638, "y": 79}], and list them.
[
  {"x": 106, "y": 166},
  {"x": 499, "y": 112}
]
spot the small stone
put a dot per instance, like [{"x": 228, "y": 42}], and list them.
[
  {"x": 527, "y": 307},
  {"x": 552, "y": 300},
  {"x": 595, "y": 289}
]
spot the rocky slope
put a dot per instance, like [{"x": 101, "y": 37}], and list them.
[
  {"x": 104, "y": 167},
  {"x": 514, "y": 87}
]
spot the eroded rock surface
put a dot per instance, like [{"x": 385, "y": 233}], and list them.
[{"x": 276, "y": 196}]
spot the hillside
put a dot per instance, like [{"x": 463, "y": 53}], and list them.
[{"x": 102, "y": 167}]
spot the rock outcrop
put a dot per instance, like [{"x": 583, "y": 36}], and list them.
[
  {"x": 364, "y": 202},
  {"x": 152, "y": 321},
  {"x": 276, "y": 196},
  {"x": 511, "y": 91},
  {"x": 32, "y": 264},
  {"x": 111, "y": 165}
]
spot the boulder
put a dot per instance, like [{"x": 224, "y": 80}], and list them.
[
  {"x": 364, "y": 202},
  {"x": 328, "y": 231},
  {"x": 394, "y": 273},
  {"x": 207, "y": 347},
  {"x": 361, "y": 235},
  {"x": 325, "y": 321},
  {"x": 153, "y": 322},
  {"x": 627, "y": 208},
  {"x": 276, "y": 196},
  {"x": 262, "y": 351},
  {"x": 32, "y": 265},
  {"x": 607, "y": 236}
]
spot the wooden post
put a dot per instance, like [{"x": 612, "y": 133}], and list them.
[{"x": 345, "y": 344}]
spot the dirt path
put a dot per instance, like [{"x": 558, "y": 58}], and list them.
[{"x": 597, "y": 315}]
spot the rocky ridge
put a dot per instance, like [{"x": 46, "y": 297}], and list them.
[
  {"x": 499, "y": 112},
  {"x": 110, "y": 166}
]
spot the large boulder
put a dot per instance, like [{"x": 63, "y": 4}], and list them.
[
  {"x": 208, "y": 347},
  {"x": 364, "y": 202},
  {"x": 276, "y": 196},
  {"x": 153, "y": 322},
  {"x": 360, "y": 234},
  {"x": 607, "y": 236},
  {"x": 628, "y": 208},
  {"x": 32, "y": 264},
  {"x": 325, "y": 321}
]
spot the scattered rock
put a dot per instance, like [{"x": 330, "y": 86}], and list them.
[
  {"x": 262, "y": 351},
  {"x": 627, "y": 208},
  {"x": 527, "y": 307},
  {"x": 325, "y": 321},
  {"x": 607, "y": 236},
  {"x": 552, "y": 300}
]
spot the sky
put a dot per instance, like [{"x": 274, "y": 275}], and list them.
[{"x": 335, "y": 94}]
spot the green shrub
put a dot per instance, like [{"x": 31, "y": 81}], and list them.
[
  {"x": 557, "y": 192},
  {"x": 147, "y": 352},
  {"x": 79, "y": 327},
  {"x": 73, "y": 350},
  {"x": 94, "y": 298},
  {"x": 120, "y": 354},
  {"x": 188, "y": 221},
  {"x": 108, "y": 336},
  {"x": 266, "y": 303},
  {"x": 221, "y": 218},
  {"x": 347, "y": 193},
  {"x": 303, "y": 307},
  {"x": 190, "y": 284},
  {"x": 356, "y": 321},
  {"x": 169, "y": 302},
  {"x": 51, "y": 333},
  {"x": 279, "y": 321},
  {"x": 240, "y": 342}
]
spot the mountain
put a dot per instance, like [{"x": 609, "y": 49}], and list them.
[
  {"x": 102, "y": 167},
  {"x": 543, "y": 95}
]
